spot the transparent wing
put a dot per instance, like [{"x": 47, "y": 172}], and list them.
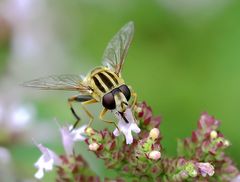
[
  {"x": 116, "y": 51},
  {"x": 59, "y": 82}
]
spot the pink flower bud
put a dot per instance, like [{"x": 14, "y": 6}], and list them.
[
  {"x": 226, "y": 143},
  {"x": 154, "y": 133},
  {"x": 138, "y": 109},
  {"x": 93, "y": 146},
  {"x": 155, "y": 155},
  {"x": 89, "y": 131},
  {"x": 213, "y": 134}
]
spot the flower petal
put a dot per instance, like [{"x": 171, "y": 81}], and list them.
[
  {"x": 135, "y": 128},
  {"x": 70, "y": 136},
  {"x": 79, "y": 134},
  {"x": 129, "y": 137},
  {"x": 46, "y": 161},
  {"x": 39, "y": 174},
  {"x": 49, "y": 154},
  {"x": 116, "y": 132},
  {"x": 126, "y": 127},
  {"x": 67, "y": 140}
]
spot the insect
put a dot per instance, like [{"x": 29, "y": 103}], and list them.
[{"x": 103, "y": 84}]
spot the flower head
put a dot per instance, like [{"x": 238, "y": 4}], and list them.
[
  {"x": 207, "y": 123},
  {"x": 46, "y": 161},
  {"x": 126, "y": 124}
]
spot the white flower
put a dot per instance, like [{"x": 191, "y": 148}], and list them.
[
  {"x": 46, "y": 161},
  {"x": 126, "y": 128},
  {"x": 70, "y": 136},
  {"x": 205, "y": 168}
]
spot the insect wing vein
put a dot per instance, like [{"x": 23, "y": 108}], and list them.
[
  {"x": 58, "y": 82},
  {"x": 116, "y": 51}
]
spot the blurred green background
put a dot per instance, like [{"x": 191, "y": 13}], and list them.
[{"x": 184, "y": 60}]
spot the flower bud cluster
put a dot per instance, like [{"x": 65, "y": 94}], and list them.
[
  {"x": 181, "y": 169},
  {"x": 138, "y": 156},
  {"x": 149, "y": 147},
  {"x": 132, "y": 159},
  {"x": 145, "y": 115},
  {"x": 207, "y": 144},
  {"x": 101, "y": 142},
  {"x": 75, "y": 168}
]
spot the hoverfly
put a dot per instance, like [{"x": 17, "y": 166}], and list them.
[{"x": 103, "y": 84}]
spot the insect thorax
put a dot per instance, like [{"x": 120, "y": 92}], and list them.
[{"x": 102, "y": 80}]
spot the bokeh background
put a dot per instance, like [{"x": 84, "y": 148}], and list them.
[{"x": 184, "y": 60}]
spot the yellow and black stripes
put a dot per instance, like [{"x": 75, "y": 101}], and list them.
[
  {"x": 105, "y": 81},
  {"x": 112, "y": 77},
  {"x": 98, "y": 84}
]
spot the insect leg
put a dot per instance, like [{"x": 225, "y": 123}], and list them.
[
  {"x": 101, "y": 115},
  {"x": 87, "y": 111},
  {"x": 134, "y": 95},
  {"x": 70, "y": 101},
  {"x": 78, "y": 98}
]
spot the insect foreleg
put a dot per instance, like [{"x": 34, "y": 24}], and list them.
[
  {"x": 78, "y": 98},
  {"x": 101, "y": 115}
]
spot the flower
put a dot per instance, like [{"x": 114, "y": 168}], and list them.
[
  {"x": 126, "y": 127},
  {"x": 154, "y": 133},
  {"x": 226, "y": 143},
  {"x": 205, "y": 168},
  {"x": 144, "y": 156},
  {"x": 207, "y": 123},
  {"x": 69, "y": 137},
  {"x": 155, "y": 155},
  {"x": 46, "y": 161},
  {"x": 146, "y": 116},
  {"x": 213, "y": 134},
  {"x": 78, "y": 134},
  {"x": 93, "y": 146},
  {"x": 89, "y": 131}
]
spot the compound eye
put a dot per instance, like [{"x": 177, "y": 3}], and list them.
[
  {"x": 125, "y": 90},
  {"x": 108, "y": 101}
]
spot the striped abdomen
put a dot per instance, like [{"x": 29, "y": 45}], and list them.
[{"x": 103, "y": 81}]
